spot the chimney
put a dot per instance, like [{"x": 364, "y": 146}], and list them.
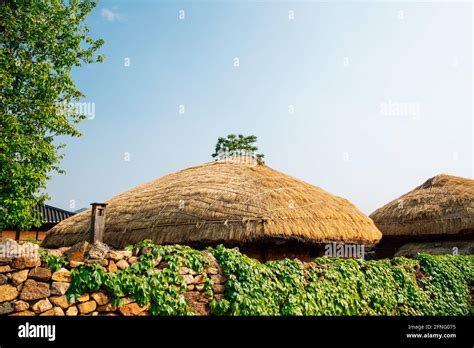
[{"x": 97, "y": 222}]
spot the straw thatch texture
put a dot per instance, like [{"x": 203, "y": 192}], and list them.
[
  {"x": 223, "y": 202},
  {"x": 443, "y": 205}
]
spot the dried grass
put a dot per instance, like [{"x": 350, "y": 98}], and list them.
[
  {"x": 443, "y": 205},
  {"x": 223, "y": 202}
]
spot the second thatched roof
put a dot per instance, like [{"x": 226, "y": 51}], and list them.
[
  {"x": 223, "y": 202},
  {"x": 443, "y": 205}
]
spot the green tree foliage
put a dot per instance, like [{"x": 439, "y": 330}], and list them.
[
  {"x": 40, "y": 43},
  {"x": 237, "y": 145}
]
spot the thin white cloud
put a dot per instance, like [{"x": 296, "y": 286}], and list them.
[{"x": 110, "y": 14}]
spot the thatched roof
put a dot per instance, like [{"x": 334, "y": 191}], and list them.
[
  {"x": 443, "y": 205},
  {"x": 223, "y": 202}
]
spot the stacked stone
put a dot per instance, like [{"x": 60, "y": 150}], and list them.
[
  {"x": 195, "y": 296},
  {"x": 26, "y": 284},
  {"x": 28, "y": 287}
]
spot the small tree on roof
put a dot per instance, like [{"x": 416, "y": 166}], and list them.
[{"x": 237, "y": 145}]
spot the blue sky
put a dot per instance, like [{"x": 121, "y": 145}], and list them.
[{"x": 364, "y": 99}]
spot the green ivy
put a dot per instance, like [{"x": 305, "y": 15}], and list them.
[
  {"x": 163, "y": 289},
  {"x": 445, "y": 283},
  {"x": 249, "y": 287},
  {"x": 424, "y": 285},
  {"x": 54, "y": 262}
]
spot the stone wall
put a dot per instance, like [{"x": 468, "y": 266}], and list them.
[{"x": 28, "y": 287}]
